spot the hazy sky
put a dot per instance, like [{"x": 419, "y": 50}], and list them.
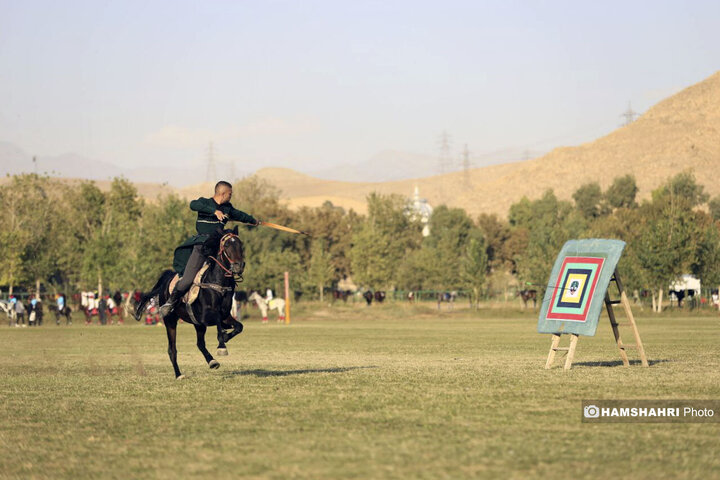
[{"x": 309, "y": 84}]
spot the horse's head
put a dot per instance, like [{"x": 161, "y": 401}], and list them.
[{"x": 231, "y": 247}]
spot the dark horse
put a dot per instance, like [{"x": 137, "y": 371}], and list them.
[
  {"x": 66, "y": 311},
  {"x": 212, "y": 307},
  {"x": 527, "y": 295}
]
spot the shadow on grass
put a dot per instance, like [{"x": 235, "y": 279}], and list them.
[
  {"x": 284, "y": 373},
  {"x": 616, "y": 363}
]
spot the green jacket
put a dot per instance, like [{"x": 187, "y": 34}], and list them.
[{"x": 207, "y": 222}]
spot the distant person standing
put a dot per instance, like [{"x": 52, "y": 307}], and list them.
[
  {"x": 102, "y": 310},
  {"x": 20, "y": 313},
  {"x": 13, "y": 313}
]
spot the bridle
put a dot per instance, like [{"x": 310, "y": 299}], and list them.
[{"x": 236, "y": 273}]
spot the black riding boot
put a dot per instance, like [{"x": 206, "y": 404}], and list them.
[{"x": 171, "y": 303}]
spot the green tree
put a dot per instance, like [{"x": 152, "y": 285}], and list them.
[
  {"x": 548, "y": 223},
  {"x": 450, "y": 229},
  {"x": 622, "y": 192},
  {"x": 387, "y": 236},
  {"x": 707, "y": 256},
  {"x": 669, "y": 235},
  {"x": 320, "y": 271},
  {"x": 473, "y": 266},
  {"x": 109, "y": 254},
  {"x": 714, "y": 207},
  {"x": 682, "y": 188},
  {"x": 163, "y": 225},
  {"x": 589, "y": 200},
  {"x": 497, "y": 234}
]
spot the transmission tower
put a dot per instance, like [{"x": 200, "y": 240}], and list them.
[
  {"x": 466, "y": 165},
  {"x": 630, "y": 115},
  {"x": 211, "y": 175},
  {"x": 444, "y": 161}
]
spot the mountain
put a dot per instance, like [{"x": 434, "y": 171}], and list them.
[
  {"x": 387, "y": 165},
  {"x": 14, "y": 160}
]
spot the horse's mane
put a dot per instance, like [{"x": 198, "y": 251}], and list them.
[{"x": 212, "y": 244}]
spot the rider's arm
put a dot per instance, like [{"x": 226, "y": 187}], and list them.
[
  {"x": 240, "y": 216},
  {"x": 203, "y": 205}
]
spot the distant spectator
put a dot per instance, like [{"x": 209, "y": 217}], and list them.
[
  {"x": 20, "y": 313},
  {"x": 102, "y": 310}
]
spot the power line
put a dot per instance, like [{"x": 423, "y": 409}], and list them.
[
  {"x": 630, "y": 115},
  {"x": 466, "y": 165},
  {"x": 444, "y": 160}
]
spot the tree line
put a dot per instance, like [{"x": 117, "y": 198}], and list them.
[{"x": 72, "y": 236}]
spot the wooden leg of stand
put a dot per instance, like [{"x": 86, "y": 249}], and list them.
[
  {"x": 571, "y": 351},
  {"x": 551, "y": 355},
  {"x": 636, "y": 333},
  {"x": 616, "y": 331}
]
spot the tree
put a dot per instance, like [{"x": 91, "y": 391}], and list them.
[
  {"x": 497, "y": 234},
  {"x": 31, "y": 216},
  {"x": 163, "y": 225},
  {"x": 714, "y": 207},
  {"x": 320, "y": 272},
  {"x": 549, "y": 223},
  {"x": 450, "y": 229},
  {"x": 707, "y": 257},
  {"x": 622, "y": 192},
  {"x": 668, "y": 238},
  {"x": 383, "y": 241},
  {"x": 109, "y": 252},
  {"x": 335, "y": 227},
  {"x": 684, "y": 188},
  {"x": 473, "y": 271},
  {"x": 589, "y": 200}
]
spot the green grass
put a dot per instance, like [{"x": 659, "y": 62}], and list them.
[{"x": 351, "y": 392}]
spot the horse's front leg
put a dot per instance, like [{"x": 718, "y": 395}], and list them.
[
  {"x": 171, "y": 328},
  {"x": 211, "y": 318},
  {"x": 200, "y": 331},
  {"x": 236, "y": 326}
]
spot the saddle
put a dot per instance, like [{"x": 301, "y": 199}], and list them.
[{"x": 191, "y": 294}]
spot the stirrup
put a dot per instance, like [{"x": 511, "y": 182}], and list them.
[{"x": 169, "y": 305}]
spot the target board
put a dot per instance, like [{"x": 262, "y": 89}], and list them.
[{"x": 579, "y": 280}]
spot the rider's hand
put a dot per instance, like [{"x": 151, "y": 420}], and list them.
[{"x": 220, "y": 215}]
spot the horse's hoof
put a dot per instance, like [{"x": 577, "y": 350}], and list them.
[
  {"x": 181, "y": 377},
  {"x": 222, "y": 352},
  {"x": 214, "y": 364}
]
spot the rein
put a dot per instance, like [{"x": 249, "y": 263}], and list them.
[
  {"x": 222, "y": 253},
  {"x": 228, "y": 273}
]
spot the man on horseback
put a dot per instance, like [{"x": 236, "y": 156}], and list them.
[{"x": 213, "y": 212}]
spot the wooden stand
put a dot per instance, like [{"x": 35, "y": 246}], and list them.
[{"x": 622, "y": 347}]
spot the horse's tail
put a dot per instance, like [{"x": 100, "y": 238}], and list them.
[{"x": 165, "y": 277}]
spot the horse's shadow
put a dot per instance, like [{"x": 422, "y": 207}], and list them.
[
  {"x": 616, "y": 363},
  {"x": 260, "y": 372}
]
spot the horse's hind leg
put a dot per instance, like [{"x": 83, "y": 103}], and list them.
[
  {"x": 171, "y": 328},
  {"x": 200, "y": 330}
]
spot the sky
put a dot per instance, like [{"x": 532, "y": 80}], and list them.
[{"x": 313, "y": 84}]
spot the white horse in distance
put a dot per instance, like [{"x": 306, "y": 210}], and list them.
[{"x": 274, "y": 304}]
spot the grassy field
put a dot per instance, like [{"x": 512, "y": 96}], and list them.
[{"x": 394, "y": 391}]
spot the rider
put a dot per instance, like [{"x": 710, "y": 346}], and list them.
[{"x": 213, "y": 212}]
